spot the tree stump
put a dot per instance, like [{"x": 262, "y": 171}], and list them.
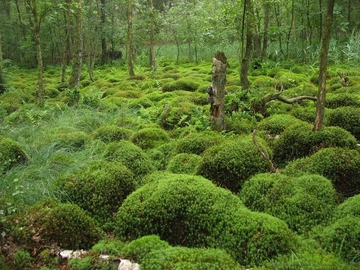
[{"x": 216, "y": 92}]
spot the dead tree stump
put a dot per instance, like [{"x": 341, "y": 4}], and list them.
[{"x": 216, "y": 92}]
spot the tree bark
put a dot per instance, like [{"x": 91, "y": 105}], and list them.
[
  {"x": 75, "y": 78},
  {"x": 217, "y": 92},
  {"x": 266, "y": 29},
  {"x": 35, "y": 23},
  {"x": 129, "y": 42},
  {"x": 245, "y": 63},
  {"x": 103, "y": 38},
  {"x": 67, "y": 51},
  {"x": 320, "y": 104},
  {"x": 152, "y": 37}
]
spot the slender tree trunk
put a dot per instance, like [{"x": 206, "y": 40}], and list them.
[
  {"x": 320, "y": 19},
  {"x": 32, "y": 9},
  {"x": 279, "y": 25},
  {"x": 103, "y": 39},
  {"x": 266, "y": 29},
  {"x": 152, "y": 37},
  {"x": 245, "y": 63},
  {"x": 66, "y": 53},
  {"x": 320, "y": 104},
  {"x": 74, "y": 81},
  {"x": 129, "y": 42},
  {"x": 1, "y": 51},
  {"x": 217, "y": 92}
]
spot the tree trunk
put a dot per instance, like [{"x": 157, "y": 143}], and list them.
[
  {"x": 217, "y": 92},
  {"x": 129, "y": 42},
  {"x": 74, "y": 81},
  {"x": 1, "y": 51},
  {"x": 245, "y": 63},
  {"x": 103, "y": 39},
  {"x": 266, "y": 30},
  {"x": 320, "y": 104},
  {"x": 66, "y": 53},
  {"x": 152, "y": 37},
  {"x": 35, "y": 23}
]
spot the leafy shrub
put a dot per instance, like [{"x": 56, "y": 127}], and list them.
[
  {"x": 150, "y": 138},
  {"x": 197, "y": 142},
  {"x": 342, "y": 238},
  {"x": 182, "y": 258},
  {"x": 99, "y": 189},
  {"x": 184, "y": 163},
  {"x": 66, "y": 226},
  {"x": 90, "y": 261},
  {"x": 232, "y": 162},
  {"x": 191, "y": 211},
  {"x": 301, "y": 202},
  {"x": 132, "y": 156},
  {"x": 347, "y": 118},
  {"x": 181, "y": 84},
  {"x": 340, "y": 165},
  {"x": 110, "y": 133},
  {"x": 298, "y": 140},
  {"x": 11, "y": 154},
  {"x": 137, "y": 249},
  {"x": 341, "y": 100}
]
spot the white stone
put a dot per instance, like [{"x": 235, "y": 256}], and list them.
[
  {"x": 69, "y": 254},
  {"x": 128, "y": 265}
]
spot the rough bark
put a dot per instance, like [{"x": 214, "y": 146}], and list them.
[
  {"x": 129, "y": 42},
  {"x": 245, "y": 63},
  {"x": 344, "y": 79},
  {"x": 67, "y": 52},
  {"x": 217, "y": 92},
  {"x": 320, "y": 104},
  {"x": 103, "y": 39},
  {"x": 75, "y": 77},
  {"x": 35, "y": 23},
  {"x": 266, "y": 29}
]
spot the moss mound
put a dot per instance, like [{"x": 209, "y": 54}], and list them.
[
  {"x": 341, "y": 100},
  {"x": 99, "y": 189},
  {"x": 191, "y": 211},
  {"x": 110, "y": 133},
  {"x": 197, "y": 142},
  {"x": 342, "y": 238},
  {"x": 181, "y": 84},
  {"x": 69, "y": 138},
  {"x": 350, "y": 207},
  {"x": 340, "y": 165},
  {"x": 347, "y": 118},
  {"x": 150, "y": 138},
  {"x": 298, "y": 140},
  {"x": 302, "y": 202},
  {"x": 276, "y": 124},
  {"x": 11, "y": 154},
  {"x": 132, "y": 156},
  {"x": 66, "y": 226},
  {"x": 232, "y": 162},
  {"x": 182, "y": 258},
  {"x": 184, "y": 163},
  {"x": 137, "y": 249}
]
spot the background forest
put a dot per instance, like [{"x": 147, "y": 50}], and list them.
[{"x": 106, "y": 142}]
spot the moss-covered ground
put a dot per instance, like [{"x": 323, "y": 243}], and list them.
[{"x": 83, "y": 151}]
